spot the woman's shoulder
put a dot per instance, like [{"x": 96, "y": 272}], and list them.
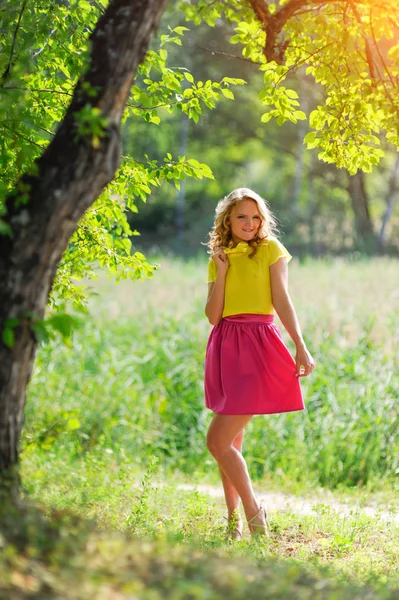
[
  {"x": 269, "y": 242},
  {"x": 273, "y": 249}
]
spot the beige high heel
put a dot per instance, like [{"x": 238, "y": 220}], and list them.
[{"x": 258, "y": 528}]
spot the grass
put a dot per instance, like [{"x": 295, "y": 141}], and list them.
[
  {"x": 115, "y": 424},
  {"x": 153, "y": 539},
  {"x": 95, "y": 564},
  {"x": 355, "y": 546}
]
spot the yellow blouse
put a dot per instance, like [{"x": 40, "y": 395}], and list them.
[{"x": 248, "y": 279}]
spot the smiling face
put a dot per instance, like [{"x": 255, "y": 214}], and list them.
[{"x": 244, "y": 221}]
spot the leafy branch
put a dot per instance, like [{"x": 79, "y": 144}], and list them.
[{"x": 7, "y": 70}]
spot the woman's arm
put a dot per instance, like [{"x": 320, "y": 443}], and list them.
[
  {"x": 286, "y": 311},
  {"x": 215, "y": 301}
]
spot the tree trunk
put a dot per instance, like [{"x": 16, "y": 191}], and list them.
[
  {"x": 390, "y": 201},
  {"x": 303, "y": 128},
  {"x": 360, "y": 205},
  {"x": 47, "y": 204}
]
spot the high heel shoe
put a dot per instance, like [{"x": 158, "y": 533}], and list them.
[{"x": 258, "y": 528}]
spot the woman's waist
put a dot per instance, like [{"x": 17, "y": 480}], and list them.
[
  {"x": 250, "y": 318},
  {"x": 252, "y": 303}
]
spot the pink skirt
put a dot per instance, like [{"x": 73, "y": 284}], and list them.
[{"x": 248, "y": 368}]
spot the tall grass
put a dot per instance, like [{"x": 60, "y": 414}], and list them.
[{"x": 131, "y": 383}]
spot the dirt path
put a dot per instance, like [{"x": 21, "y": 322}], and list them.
[{"x": 278, "y": 501}]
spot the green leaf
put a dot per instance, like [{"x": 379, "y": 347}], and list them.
[
  {"x": 300, "y": 115},
  {"x": 85, "y": 5},
  {"x": 311, "y": 140},
  {"x": 8, "y": 337},
  {"x": 291, "y": 94},
  {"x": 227, "y": 93},
  {"x": 63, "y": 323},
  {"x": 12, "y": 322},
  {"x": 180, "y": 30},
  {"x": 5, "y": 229},
  {"x": 265, "y": 118}
]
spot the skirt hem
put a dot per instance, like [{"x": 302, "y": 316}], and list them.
[{"x": 272, "y": 412}]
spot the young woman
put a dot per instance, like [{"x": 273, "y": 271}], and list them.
[{"x": 248, "y": 369}]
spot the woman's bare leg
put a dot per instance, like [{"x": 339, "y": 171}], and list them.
[
  {"x": 222, "y": 432},
  {"x": 230, "y": 493}
]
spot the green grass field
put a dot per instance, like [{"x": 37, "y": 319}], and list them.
[{"x": 115, "y": 422}]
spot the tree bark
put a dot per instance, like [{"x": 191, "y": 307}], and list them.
[
  {"x": 390, "y": 197},
  {"x": 360, "y": 205},
  {"x": 303, "y": 128},
  {"x": 47, "y": 204}
]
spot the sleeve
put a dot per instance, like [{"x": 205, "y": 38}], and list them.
[
  {"x": 277, "y": 250},
  {"x": 211, "y": 271}
]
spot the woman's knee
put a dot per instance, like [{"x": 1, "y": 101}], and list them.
[
  {"x": 216, "y": 445},
  {"x": 239, "y": 439}
]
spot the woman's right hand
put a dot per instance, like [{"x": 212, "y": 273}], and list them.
[{"x": 222, "y": 262}]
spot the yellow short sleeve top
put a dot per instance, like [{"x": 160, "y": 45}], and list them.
[{"x": 248, "y": 279}]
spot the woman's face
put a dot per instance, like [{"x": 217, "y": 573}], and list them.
[{"x": 244, "y": 221}]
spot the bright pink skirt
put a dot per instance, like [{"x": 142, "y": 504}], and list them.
[{"x": 248, "y": 368}]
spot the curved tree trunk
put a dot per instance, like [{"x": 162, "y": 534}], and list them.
[{"x": 45, "y": 208}]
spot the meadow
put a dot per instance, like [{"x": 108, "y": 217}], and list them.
[
  {"x": 131, "y": 381},
  {"x": 115, "y": 425}
]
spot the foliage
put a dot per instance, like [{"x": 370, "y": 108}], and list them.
[
  {"x": 330, "y": 41},
  {"x": 34, "y": 95},
  {"x": 351, "y": 50},
  {"x": 310, "y": 198}
]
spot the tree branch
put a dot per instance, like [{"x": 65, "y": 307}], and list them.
[
  {"x": 384, "y": 64},
  {"x": 274, "y": 23},
  {"x": 21, "y": 136},
  {"x": 262, "y": 11},
  {"x": 226, "y": 54},
  {"x": 36, "y": 90},
  {"x": 7, "y": 70},
  {"x": 369, "y": 53}
]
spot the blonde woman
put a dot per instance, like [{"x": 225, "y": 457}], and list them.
[{"x": 248, "y": 369}]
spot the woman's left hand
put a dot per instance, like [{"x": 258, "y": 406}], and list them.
[{"x": 304, "y": 362}]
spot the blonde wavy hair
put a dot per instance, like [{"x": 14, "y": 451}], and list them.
[{"x": 220, "y": 234}]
